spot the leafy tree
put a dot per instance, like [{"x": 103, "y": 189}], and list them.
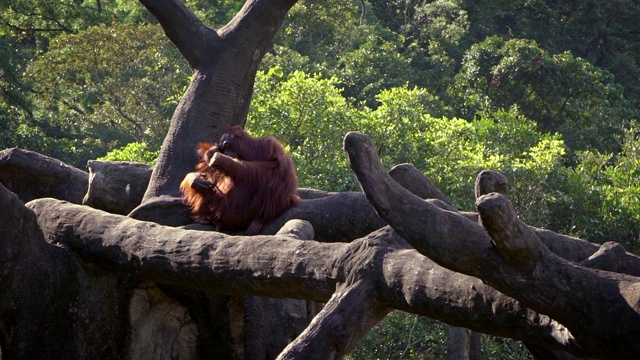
[
  {"x": 26, "y": 28},
  {"x": 288, "y": 61},
  {"x": 397, "y": 15},
  {"x": 602, "y": 189},
  {"x": 451, "y": 151},
  {"x": 13, "y": 60},
  {"x": 135, "y": 151},
  {"x": 560, "y": 92},
  {"x": 377, "y": 61},
  {"x": 214, "y": 12},
  {"x": 346, "y": 41},
  {"x": 310, "y": 115},
  {"x": 28, "y": 18},
  {"x": 94, "y": 100},
  {"x": 320, "y": 29},
  {"x": 403, "y": 336},
  {"x": 441, "y": 28},
  {"x": 604, "y": 33}
]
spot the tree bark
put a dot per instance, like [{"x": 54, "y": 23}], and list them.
[
  {"x": 510, "y": 257},
  {"x": 609, "y": 257},
  {"x": 51, "y": 305},
  {"x": 116, "y": 186},
  {"x": 281, "y": 266},
  {"x": 31, "y": 176},
  {"x": 224, "y": 64},
  {"x": 404, "y": 279}
]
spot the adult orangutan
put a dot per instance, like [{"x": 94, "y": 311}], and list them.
[{"x": 241, "y": 182}]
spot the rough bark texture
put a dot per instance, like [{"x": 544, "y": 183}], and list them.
[
  {"x": 224, "y": 64},
  {"x": 510, "y": 257},
  {"x": 204, "y": 261},
  {"x": 229, "y": 313},
  {"x": 280, "y": 266},
  {"x": 51, "y": 305},
  {"x": 218, "y": 315},
  {"x": 31, "y": 176},
  {"x": 116, "y": 186}
]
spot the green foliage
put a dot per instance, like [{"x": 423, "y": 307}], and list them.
[
  {"x": 310, "y": 115},
  {"x": 288, "y": 61},
  {"x": 496, "y": 348},
  {"x": 406, "y": 336},
  {"x": 451, "y": 151},
  {"x": 605, "y": 33},
  {"x": 403, "y": 336},
  {"x": 214, "y": 13},
  {"x": 603, "y": 189},
  {"x": 376, "y": 62},
  {"x": 320, "y": 29},
  {"x": 135, "y": 151},
  {"x": 561, "y": 93},
  {"x": 27, "y": 17},
  {"x": 441, "y": 27},
  {"x": 99, "y": 92},
  {"x": 26, "y": 30}
]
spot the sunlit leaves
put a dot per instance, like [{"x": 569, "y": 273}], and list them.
[
  {"x": 311, "y": 117},
  {"x": 135, "y": 151},
  {"x": 613, "y": 183},
  {"x": 560, "y": 92}
]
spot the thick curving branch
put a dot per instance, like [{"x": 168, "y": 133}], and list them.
[
  {"x": 31, "y": 175},
  {"x": 201, "y": 260},
  {"x": 49, "y": 308},
  {"x": 352, "y": 311},
  {"x": 283, "y": 266},
  {"x": 415, "y": 181},
  {"x": 567, "y": 292},
  {"x": 183, "y": 28},
  {"x": 414, "y": 218},
  {"x": 592, "y": 304},
  {"x": 336, "y": 216}
]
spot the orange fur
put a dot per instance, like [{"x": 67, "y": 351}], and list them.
[{"x": 242, "y": 192}]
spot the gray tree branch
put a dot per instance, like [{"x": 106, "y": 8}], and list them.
[
  {"x": 281, "y": 266},
  {"x": 592, "y": 304}
]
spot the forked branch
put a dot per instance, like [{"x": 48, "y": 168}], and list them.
[{"x": 592, "y": 304}]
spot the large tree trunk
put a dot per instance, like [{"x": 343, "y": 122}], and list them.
[
  {"x": 51, "y": 305},
  {"x": 224, "y": 64}
]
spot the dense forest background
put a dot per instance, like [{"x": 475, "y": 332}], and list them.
[{"x": 546, "y": 92}]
